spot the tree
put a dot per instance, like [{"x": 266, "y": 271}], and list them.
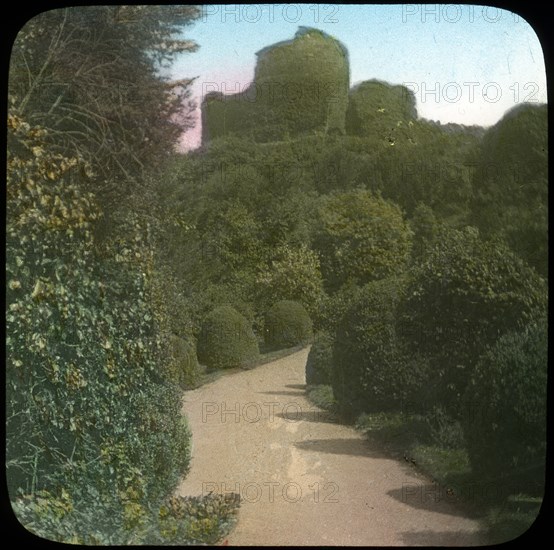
[
  {"x": 361, "y": 237},
  {"x": 292, "y": 275},
  {"x": 510, "y": 184},
  {"x": 368, "y": 371},
  {"x": 92, "y": 76}
]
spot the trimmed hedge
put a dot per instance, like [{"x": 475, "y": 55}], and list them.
[
  {"x": 287, "y": 324},
  {"x": 505, "y": 420},
  {"x": 320, "y": 361},
  {"x": 226, "y": 339}
]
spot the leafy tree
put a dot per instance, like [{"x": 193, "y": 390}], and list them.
[
  {"x": 293, "y": 275},
  {"x": 510, "y": 184},
  {"x": 368, "y": 370},
  {"x": 92, "y": 76},
  {"x": 361, "y": 238},
  {"x": 82, "y": 350},
  {"x": 287, "y": 324},
  {"x": 95, "y": 438},
  {"x": 231, "y": 236}
]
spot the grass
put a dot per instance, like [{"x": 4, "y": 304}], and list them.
[{"x": 322, "y": 397}]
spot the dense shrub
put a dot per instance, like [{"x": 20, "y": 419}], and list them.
[
  {"x": 462, "y": 296},
  {"x": 319, "y": 363},
  {"x": 293, "y": 275},
  {"x": 361, "y": 238},
  {"x": 505, "y": 420},
  {"x": 334, "y": 306},
  {"x": 287, "y": 324},
  {"x": 88, "y": 413},
  {"x": 182, "y": 369},
  {"x": 369, "y": 373},
  {"x": 226, "y": 339}
]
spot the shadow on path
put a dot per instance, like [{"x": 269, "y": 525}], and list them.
[
  {"x": 292, "y": 415},
  {"x": 353, "y": 447},
  {"x": 284, "y": 392},
  {"x": 439, "y": 538},
  {"x": 433, "y": 497},
  {"x": 296, "y": 386}
]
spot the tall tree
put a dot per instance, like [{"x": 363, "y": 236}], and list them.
[{"x": 93, "y": 77}]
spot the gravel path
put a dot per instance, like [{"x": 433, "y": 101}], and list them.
[{"x": 303, "y": 479}]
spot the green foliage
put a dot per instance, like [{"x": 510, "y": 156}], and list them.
[
  {"x": 320, "y": 360},
  {"x": 226, "y": 339},
  {"x": 425, "y": 228},
  {"x": 322, "y": 396},
  {"x": 101, "y": 93},
  {"x": 462, "y": 296},
  {"x": 506, "y": 396},
  {"x": 182, "y": 368},
  {"x": 291, "y": 94},
  {"x": 511, "y": 184},
  {"x": 361, "y": 238},
  {"x": 176, "y": 520},
  {"x": 369, "y": 373},
  {"x": 294, "y": 274},
  {"x": 376, "y": 108},
  {"x": 334, "y": 306},
  {"x": 87, "y": 410},
  {"x": 230, "y": 236},
  {"x": 287, "y": 324},
  {"x": 445, "y": 431}
]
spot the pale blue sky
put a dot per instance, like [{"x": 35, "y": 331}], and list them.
[{"x": 466, "y": 64}]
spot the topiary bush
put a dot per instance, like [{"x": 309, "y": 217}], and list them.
[
  {"x": 287, "y": 324},
  {"x": 462, "y": 296},
  {"x": 319, "y": 363},
  {"x": 368, "y": 374},
  {"x": 226, "y": 339},
  {"x": 505, "y": 424}
]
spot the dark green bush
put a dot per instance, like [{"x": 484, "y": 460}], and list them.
[
  {"x": 462, "y": 296},
  {"x": 226, "y": 339},
  {"x": 505, "y": 420},
  {"x": 361, "y": 237},
  {"x": 287, "y": 324},
  {"x": 369, "y": 373},
  {"x": 319, "y": 363},
  {"x": 182, "y": 368},
  {"x": 334, "y": 306}
]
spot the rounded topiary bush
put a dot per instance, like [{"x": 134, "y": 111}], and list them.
[
  {"x": 287, "y": 324},
  {"x": 320, "y": 360},
  {"x": 504, "y": 418},
  {"x": 226, "y": 339}
]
